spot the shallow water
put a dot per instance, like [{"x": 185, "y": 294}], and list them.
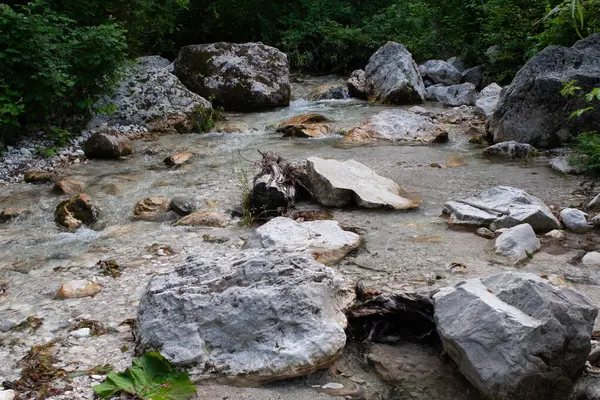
[{"x": 402, "y": 251}]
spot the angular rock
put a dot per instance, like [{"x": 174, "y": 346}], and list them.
[
  {"x": 357, "y": 84},
  {"x": 442, "y": 72},
  {"x": 204, "y": 218},
  {"x": 511, "y": 150},
  {"x": 575, "y": 220},
  {"x": 151, "y": 207},
  {"x": 457, "y": 95},
  {"x": 76, "y": 212},
  {"x": 329, "y": 91},
  {"x": 398, "y": 126},
  {"x": 70, "y": 186},
  {"x": 591, "y": 259},
  {"x": 39, "y": 177},
  {"x": 240, "y": 77},
  {"x": 518, "y": 243},
  {"x": 431, "y": 93},
  {"x": 255, "y": 317},
  {"x": 11, "y": 213},
  {"x": 307, "y": 125},
  {"x": 182, "y": 206},
  {"x": 152, "y": 97},
  {"x": 325, "y": 240},
  {"x": 418, "y": 373},
  {"x": 110, "y": 144},
  {"x": 457, "y": 63},
  {"x": 178, "y": 160},
  {"x": 457, "y": 115},
  {"x": 534, "y": 111},
  {"x": 501, "y": 207},
  {"x": 487, "y": 100},
  {"x": 473, "y": 75},
  {"x": 516, "y": 336},
  {"x": 561, "y": 164},
  {"x": 343, "y": 183},
  {"x": 595, "y": 204},
  {"x": 392, "y": 77},
  {"x": 78, "y": 289},
  {"x": 422, "y": 111},
  {"x": 486, "y": 233},
  {"x": 555, "y": 234}
]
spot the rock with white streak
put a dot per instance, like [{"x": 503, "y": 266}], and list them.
[
  {"x": 325, "y": 240},
  {"x": 516, "y": 336},
  {"x": 518, "y": 243},
  {"x": 501, "y": 207},
  {"x": 343, "y": 183},
  {"x": 511, "y": 150},
  {"x": 250, "y": 318}
]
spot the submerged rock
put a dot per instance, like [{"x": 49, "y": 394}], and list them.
[
  {"x": 255, "y": 317},
  {"x": 357, "y": 84},
  {"x": 501, "y": 207},
  {"x": 240, "y": 77},
  {"x": 398, "y": 126},
  {"x": 204, "y": 218},
  {"x": 77, "y": 289},
  {"x": 76, "y": 212},
  {"x": 518, "y": 243},
  {"x": 70, "y": 186},
  {"x": 151, "y": 207},
  {"x": 534, "y": 111},
  {"x": 330, "y": 91},
  {"x": 152, "y": 97},
  {"x": 442, "y": 72},
  {"x": 39, "y": 177},
  {"x": 515, "y": 336},
  {"x": 307, "y": 125},
  {"x": 325, "y": 240},
  {"x": 511, "y": 150},
  {"x": 182, "y": 206},
  {"x": 11, "y": 213},
  {"x": 336, "y": 183},
  {"x": 392, "y": 76},
  {"x": 178, "y": 160},
  {"x": 575, "y": 220},
  {"x": 110, "y": 144}
]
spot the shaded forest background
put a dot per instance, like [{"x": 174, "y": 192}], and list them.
[{"x": 58, "y": 56}]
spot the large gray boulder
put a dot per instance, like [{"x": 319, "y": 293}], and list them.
[
  {"x": 240, "y": 77},
  {"x": 325, "y": 240},
  {"x": 398, "y": 126},
  {"x": 392, "y": 76},
  {"x": 534, "y": 111},
  {"x": 431, "y": 93},
  {"x": 487, "y": 100},
  {"x": 457, "y": 63},
  {"x": 515, "y": 336},
  {"x": 249, "y": 318},
  {"x": 457, "y": 95},
  {"x": 336, "y": 183},
  {"x": 518, "y": 243},
  {"x": 442, "y": 72},
  {"x": 501, "y": 207},
  {"x": 152, "y": 97},
  {"x": 473, "y": 75}
]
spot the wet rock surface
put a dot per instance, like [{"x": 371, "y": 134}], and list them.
[
  {"x": 110, "y": 144},
  {"x": 76, "y": 212},
  {"x": 308, "y": 125},
  {"x": 219, "y": 307},
  {"x": 515, "y": 335}
]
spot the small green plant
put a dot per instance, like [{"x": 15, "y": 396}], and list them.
[
  {"x": 208, "y": 117},
  {"x": 244, "y": 184},
  {"x": 151, "y": 377}
]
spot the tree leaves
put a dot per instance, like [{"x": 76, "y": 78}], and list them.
[{"x": 151, "y": 377}]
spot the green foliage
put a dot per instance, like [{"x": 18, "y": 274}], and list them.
[
  {"x": 151, "y": 377},
  {"x": 53, "y": 70},
  {"x": 206, "y": 118}
]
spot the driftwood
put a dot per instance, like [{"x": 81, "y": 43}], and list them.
[
  {"x": 275, "y": 187},
  {"x": 392, "y": 316}
]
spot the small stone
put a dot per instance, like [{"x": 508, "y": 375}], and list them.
[
  {"x": 81, "y": 333},
  {"x": 178, "y": 159},
  {"x": 591, "y": 259},
  {"x": 204, "y": 218},
  {"x": 486, "y": 233},
  {"x": 25, "y": 152},
  {"x": 182, "y": 206},
  {"x": 39, "y": 177},
  {"x": 555, "y": 234},
  {"x": 78, "y": 289},
  {"x": 151, "y": 207},
  {"x": 71, "y": 186},
  {"x": 11, "y": 213},
  {"x": 575, "y": 220}
]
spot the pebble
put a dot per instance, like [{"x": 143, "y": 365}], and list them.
[
  {"x": 555, "y": 234},
  {"x": 486, "y": 233},
  {"x": 591, "y": 259},
  {"x": 81, "y": 333}
]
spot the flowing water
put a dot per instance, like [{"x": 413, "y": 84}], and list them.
[{"x": 403, "y": 250}]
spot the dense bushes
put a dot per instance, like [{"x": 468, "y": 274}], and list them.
[{"x": 53, "y": 70}]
